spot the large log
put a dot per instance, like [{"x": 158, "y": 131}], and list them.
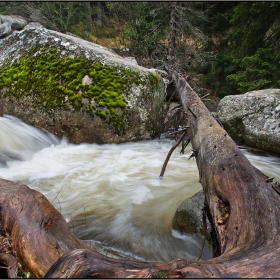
[
  {"x": 243, "y": 209},
  {"x": 243, "y": 205}
]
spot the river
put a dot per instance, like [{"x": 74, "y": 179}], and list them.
[{"x": 111, "y": 195}]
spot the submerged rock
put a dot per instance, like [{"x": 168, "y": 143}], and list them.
[
  {"x": 78, "y": 89},
  {"x": 253, "y": 118}
]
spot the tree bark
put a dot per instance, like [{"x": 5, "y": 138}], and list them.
[
  {"x": 11, "y": 264},
  {"x": 88, "y": 14},
  {"x": 37, "y": 231},
  {"x": 99, "y": 14},
  {"x": 244, "y": 210},
  {"x": 172, "y": 31}
]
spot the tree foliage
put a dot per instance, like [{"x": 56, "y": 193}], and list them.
[
  {"x": 248, "y": 53},
  {"x": 234, "y": 44},
  {"x": 146, "y": 30}
]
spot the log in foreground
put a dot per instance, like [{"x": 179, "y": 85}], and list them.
[{"x": 244, "y": 210}]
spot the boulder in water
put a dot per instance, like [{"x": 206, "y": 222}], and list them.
[
  {"x": 78, "y": 89},
  {"x": 188, "y": 216}
]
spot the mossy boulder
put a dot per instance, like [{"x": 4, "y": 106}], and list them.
[
  {"x": 77, "y": 89},
  {"x": 253, "y": 118}
]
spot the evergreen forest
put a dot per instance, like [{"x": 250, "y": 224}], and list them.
[{"x": 231, "y": 47}]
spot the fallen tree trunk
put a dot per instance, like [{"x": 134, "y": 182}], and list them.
[{"x": 243, "y": 207}]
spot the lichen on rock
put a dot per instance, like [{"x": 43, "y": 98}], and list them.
[{"x": 253, "y": 118}]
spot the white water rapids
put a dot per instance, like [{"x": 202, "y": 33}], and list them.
[{"x": 111, "y": 195}]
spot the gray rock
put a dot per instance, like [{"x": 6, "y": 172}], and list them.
[
  {"x": 253, "y": 118},
  {"x": 5, "y": 29},
  {"x": 188, "y": 216},
  {"x": 17, "y": 22},
  {"x": 131, "y": 59},
  {"x": 85, "y": 119}
]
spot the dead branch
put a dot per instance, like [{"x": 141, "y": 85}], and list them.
[{"x": 170, "y": 153}]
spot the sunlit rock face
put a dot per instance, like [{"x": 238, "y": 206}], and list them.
[
  {"x": 253, "y": 118},
  {"x": 78, "y": 89}
]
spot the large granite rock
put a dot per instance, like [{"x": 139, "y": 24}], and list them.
[
  {"x": 253, "y": 118},
  {"x": 78, "y": 89}
]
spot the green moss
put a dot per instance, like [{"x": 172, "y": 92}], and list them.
[
  {"x": 153, "y": 78},
  {"x": 57, "y": 82},
  {"x": 159, "y": 275},
  {"x": 102, "y": 114}
]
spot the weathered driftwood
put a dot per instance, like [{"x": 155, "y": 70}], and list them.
[
  {"x": 171, "y": 151},
  {"x": 37, "y": 231},
  {"x": 243, "y": 206}
]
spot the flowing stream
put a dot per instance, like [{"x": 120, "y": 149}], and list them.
[{"x": 111, "y": 195}]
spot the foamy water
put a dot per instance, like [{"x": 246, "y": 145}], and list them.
[{"x": 111, "y": 195}]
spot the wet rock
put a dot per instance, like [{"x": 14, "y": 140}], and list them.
[
  {"x": 188, "y": 216},
  {"x": 253, "y": 118}
]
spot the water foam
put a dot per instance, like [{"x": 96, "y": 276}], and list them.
[{"x": 111, "y": 195}]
